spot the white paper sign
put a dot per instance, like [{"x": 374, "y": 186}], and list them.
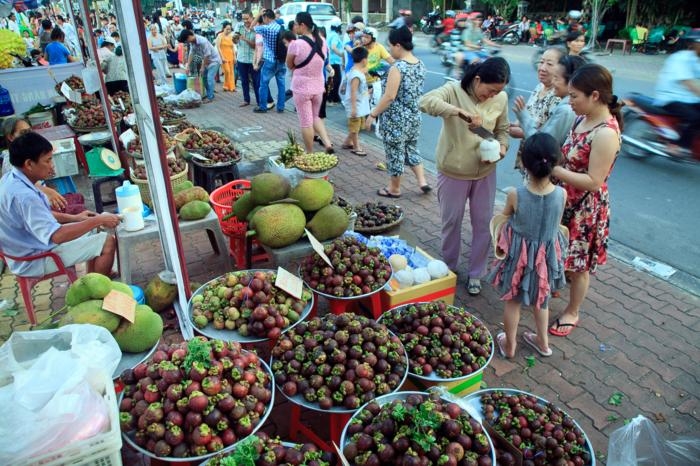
[
  {"x": 70, "y": 94},
  {"x": 289, "y": 282},
  {"x": 318, "y": 247},
  {"x": 91, "y": 80}
]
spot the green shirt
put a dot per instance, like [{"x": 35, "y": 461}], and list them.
[{"x": 246, "y": 53}]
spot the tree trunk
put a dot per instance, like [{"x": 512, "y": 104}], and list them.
[{"x": 631, "y": 13}]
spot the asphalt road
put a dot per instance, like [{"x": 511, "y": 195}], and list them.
[{"x": 654, "y": 216}]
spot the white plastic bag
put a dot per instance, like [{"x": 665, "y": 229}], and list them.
[
  {"x": 641, "y": 443},
  {"x": 51, "y": 385}
]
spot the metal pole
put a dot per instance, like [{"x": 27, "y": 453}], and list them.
[
  {"x": 143, "y": 96},
  {"x": 106, "y": 107}
]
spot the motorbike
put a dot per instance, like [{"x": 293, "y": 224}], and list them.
[
  {"x": 437, "y": 40},
  {"x": 509, "y": 35},
  {"x": 649, "y": 129},
  {"x": 429, "y": 21}
]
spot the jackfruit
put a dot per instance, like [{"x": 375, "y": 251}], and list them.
[
  {"x": 313, "y": 194},
  {"x": 329, "y": 222},
  {"x": 251, "y": 215},
  {"x": 90, "y": 286},
  {"x": 160, "y": 295},
  {"x": 279, "y": 225},
  {"x": 123, "y": 287},
  {"x": 90, "y": 312},
  {"x": 142, "y": 334},
  {"x": 242, "y": 206},
  {"x": 195, "y": 210},
  {"x": 77, "y": 293},
  {"x": 98, "y": 284},
  {"x": 268, "y": 187}
]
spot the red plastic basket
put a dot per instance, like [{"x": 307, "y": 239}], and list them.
[{"x": 223, "y": 198}]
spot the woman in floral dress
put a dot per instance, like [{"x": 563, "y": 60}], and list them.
[
  {"x": 543, "y": 99},
  {"x": 399, "y": 116},
  {"x": 589, "y": 154}
]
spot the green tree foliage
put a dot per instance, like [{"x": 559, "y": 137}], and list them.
[{"x": 505, "y": 8}]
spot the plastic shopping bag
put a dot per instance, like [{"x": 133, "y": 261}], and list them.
[
  {"x": 51, "y": 385},
  {"x": 641, "y": 443}
]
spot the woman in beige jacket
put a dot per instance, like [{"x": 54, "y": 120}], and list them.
[{"x": 462, "y": 176}]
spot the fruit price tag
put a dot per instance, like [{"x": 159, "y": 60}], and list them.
[
  {"x": 318, "y": 247},
  {"x": 70, "y": 94},
  {"x": 120, "y": 304},
  {"x": 289, "y": 282}
]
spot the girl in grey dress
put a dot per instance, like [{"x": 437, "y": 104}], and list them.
[{"x": 534, "y": 246}]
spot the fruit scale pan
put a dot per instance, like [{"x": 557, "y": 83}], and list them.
[
  {"x": 129, "y": 437},
  {"x": 299, "y": 399},
  {"x": 433, "y": 377},
  {"x": 232, "y": 335},
  {"x": 384, "y": 399},
  {"x": 380, "y": 228},
  {"x": 203, "y": 161},
  {"x": 131, "y": 360},
  {"x": 345, "y": 298},
  {"x": 474, "y": 402}
]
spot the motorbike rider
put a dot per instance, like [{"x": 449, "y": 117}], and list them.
[
  {"x": 405, "y": 18},
  {"x": 473, "y": 41},
  {"x": 448, "y": 25},
  {"x": 678, "y": 91}
]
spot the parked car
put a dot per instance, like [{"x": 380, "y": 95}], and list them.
[{"x": 323, "y": 14}]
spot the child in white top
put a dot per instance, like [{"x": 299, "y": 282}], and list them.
[{"x": 355, "y": 97}]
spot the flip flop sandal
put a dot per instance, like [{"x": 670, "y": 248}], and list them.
[
  {"x": 380, "y": 166},
  {"x": 385, "y": 193},
  {"x": 426, "y": 188},
  {"x": 500, "y": 342},
  {"x": 359, "y": 153},
  {"x": 562, "y": 330},
  {"x": 474, "y": 286},
  {"x": 531, "y": 339}
]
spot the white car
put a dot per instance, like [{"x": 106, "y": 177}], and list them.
[{"x": 323, "y": 14}]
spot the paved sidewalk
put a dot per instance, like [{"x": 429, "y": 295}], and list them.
[{"x": 638, "y": 334}]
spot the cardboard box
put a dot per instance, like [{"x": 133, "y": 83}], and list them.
[
  {"x": 438, "y": 289},
  {"x": 64, "y": 158}
]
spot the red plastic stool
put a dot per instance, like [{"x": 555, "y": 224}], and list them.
[
  {"x": 336, "y": 424},
  {"x": 339, "y": 306}
]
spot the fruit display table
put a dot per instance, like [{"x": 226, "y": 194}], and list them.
[{"x": 126, "y": 240}]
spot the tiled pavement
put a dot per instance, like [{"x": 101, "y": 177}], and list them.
[{"x": 638, "y": 334}]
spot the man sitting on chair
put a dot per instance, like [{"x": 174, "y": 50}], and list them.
[{"x": 29, "y": 227}]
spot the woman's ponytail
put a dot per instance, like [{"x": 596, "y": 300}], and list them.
[{"x": 615, "y": 107}]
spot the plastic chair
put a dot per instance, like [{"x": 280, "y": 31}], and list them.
[{"x": 27, "y": 283}]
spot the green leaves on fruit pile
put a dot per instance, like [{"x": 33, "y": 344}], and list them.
[{"x": 198, "y": 351}]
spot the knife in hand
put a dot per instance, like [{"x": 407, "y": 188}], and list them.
[{"x": 479, "y": 130}]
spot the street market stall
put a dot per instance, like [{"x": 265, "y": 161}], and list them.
[{"x": 360, "y": 328}]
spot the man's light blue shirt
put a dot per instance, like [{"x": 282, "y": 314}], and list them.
[{"x": 26, "y": 221}]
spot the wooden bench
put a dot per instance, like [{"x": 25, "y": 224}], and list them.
[{"x": 610, "y": 45}]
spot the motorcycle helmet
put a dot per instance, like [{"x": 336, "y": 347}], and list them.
[
  {"x": 450, "y": 13},
  {"x": 370, "y": 32}
]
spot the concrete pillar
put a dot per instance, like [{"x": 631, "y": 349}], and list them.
[
  {"x": 389, "y": 10},
  {"x": 365, "y": 11}
]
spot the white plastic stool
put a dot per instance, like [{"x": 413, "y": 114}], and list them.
[{"x": 126, "y": 240}]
